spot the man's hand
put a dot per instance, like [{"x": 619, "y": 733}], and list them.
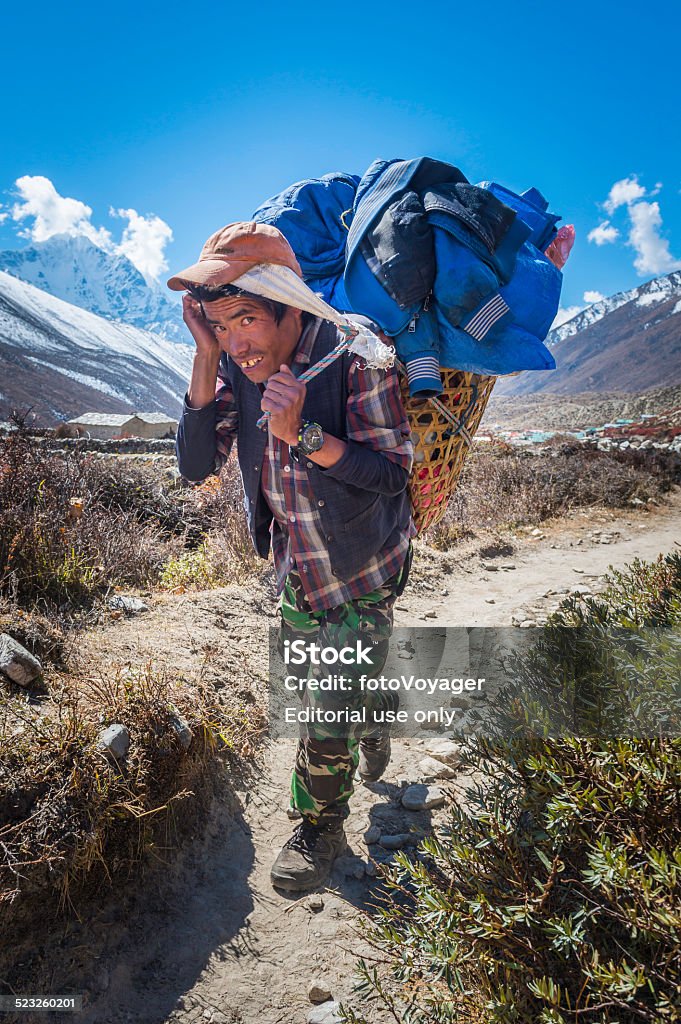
[
  {"x": 201, "y": 331},
  {"x": 201, "y": 391},
  {"x": 283, "y": 399}
]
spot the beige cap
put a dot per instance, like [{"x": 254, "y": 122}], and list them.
[{"x": 232, "y": 251}]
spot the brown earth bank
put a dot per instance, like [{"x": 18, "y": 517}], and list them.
[{"x": 201, "y": 935}]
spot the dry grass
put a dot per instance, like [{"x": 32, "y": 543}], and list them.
[
  {"x": 506, "y": 487},
  {"x": 71, "y": 818},
  {"x": 74, "y": 525}
]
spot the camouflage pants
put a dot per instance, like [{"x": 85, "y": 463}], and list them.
[{"x": 326, "y": 761}]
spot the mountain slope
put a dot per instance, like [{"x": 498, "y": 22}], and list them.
[
  {"x": 629, "y": 342},
  {"x": 108, "y": 284},
  {"x": 62, "y": 361}
]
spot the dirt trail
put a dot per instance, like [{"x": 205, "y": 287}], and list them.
[{"x": 219, "y": 944}]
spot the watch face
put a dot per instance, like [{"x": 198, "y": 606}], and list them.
[{"x": 312, "y": 437}]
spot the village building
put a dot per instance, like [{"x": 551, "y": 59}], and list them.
[{"x": 105, "y": 426}]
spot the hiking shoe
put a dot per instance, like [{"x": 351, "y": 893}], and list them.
[
  {"x": 374, "y": 757},
  {"x": 305, "y": 860}
]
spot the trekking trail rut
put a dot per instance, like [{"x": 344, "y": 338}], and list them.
[{"x": 218, "y": 943}]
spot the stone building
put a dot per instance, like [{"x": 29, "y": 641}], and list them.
[{"x": 106, "y": 425}]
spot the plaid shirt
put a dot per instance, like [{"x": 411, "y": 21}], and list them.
[{"x": 375, "y": 417}]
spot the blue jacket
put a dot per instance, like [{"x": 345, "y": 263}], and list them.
[
  {"x": 452, "y": 271},
  {"x": 310, "y": 214}
]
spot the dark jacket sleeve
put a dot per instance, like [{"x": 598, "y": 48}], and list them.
[
  {"x": 379, "y": 451},
  {"x": 370, "y": 470},
  {"x": 205, "y": 436},
  {"x": 195, "y": 444}
]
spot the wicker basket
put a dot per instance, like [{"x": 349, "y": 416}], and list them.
[{"x": 442, "y": 433}]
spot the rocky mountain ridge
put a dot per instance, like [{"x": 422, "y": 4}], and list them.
[
  {"x": 60, "y": 360},
  {"x": 630, "y": 342},
  {"x": 76, "y": 270}
]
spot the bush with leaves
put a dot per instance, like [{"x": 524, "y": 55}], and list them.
[{"x": 555, "y": 895}]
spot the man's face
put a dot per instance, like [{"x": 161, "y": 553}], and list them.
[{"x": 248, "y": 333}]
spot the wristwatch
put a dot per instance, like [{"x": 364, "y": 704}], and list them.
[{"x": 310, "y": 438}]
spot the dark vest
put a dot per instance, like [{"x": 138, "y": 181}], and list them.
[{"x": 356, "y": 523}]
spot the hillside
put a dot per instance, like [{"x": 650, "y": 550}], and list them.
[
  {"x": 60, "y": 360},
  {"x": 548, "y": 411},
  {"x": 630, "y": 343}
]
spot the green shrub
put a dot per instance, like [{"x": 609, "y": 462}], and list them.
[{"x": 555, "y": 894}]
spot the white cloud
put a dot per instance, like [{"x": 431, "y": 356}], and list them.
[
  {"x": 652, "y": 251},
  {"x": 44, "y": 213},
  {"x": 604, "y": 233},
  {"x": 623, "y": 193},
  {"x": 645, "y": 223},
  {"x": 144, "y": 241},
  {"x": 53, "y": 214},
  {"x": 591, "y": 297},
  {"x": 564, "y": 314}
]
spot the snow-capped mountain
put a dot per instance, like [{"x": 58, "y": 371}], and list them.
[
  {"x": 61, "y": 360},
  {"x": 649, "y": 294},
  {"x": 629, "y": 342},
  {"x": 106, "y": 283}
]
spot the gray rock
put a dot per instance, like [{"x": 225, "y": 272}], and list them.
[
  {"x": 464, "y": 703},
  {"x": 508, "y": 566},
  {"x": 422, "y": 798},
  {"x": 445, "y": 750},
  {"x": 17, "y": 663},
  {"x": 490, "y": 600},
  {"x": 527, "y": 623},
  {"x": 372, "y": 835},
  {"x": 431, "y": 769},
  {"x": 327, "y": 1013},
  {"x": 318, "y": 991},
  {"x": 490, "y": 567},
  {"x": 315, "y": 902},
  {"x": 430, "y": 614},
  {"x": 430, "y": 726},
  {"x": 182, "y": 731},
  {"x": 396, "y": 842},
  {"x": 129, "y": 605},
  {"x": 114, "y": 740}
]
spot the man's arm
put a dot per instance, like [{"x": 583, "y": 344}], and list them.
[
  {"x": 205, "y": 435},
  {"x": 209, "y": 419},
  {"x": 379, "y": 453}
]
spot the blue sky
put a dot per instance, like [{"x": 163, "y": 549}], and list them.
[{"x": 184, "y": 121}]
